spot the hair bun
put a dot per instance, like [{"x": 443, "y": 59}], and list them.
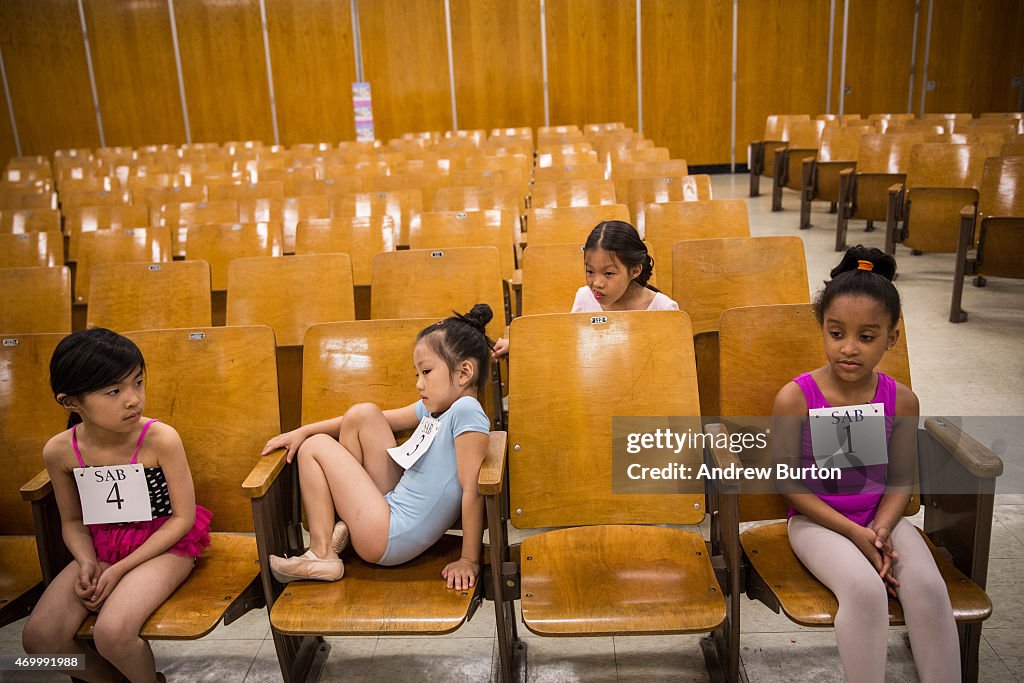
[
  {"x": 478, "y": 317},
  {"x": 883, "y": 264}
]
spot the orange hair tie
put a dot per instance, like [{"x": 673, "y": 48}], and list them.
[{"x": 865, "y": 265}]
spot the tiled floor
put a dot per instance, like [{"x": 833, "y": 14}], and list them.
[{"x": 974, "y": 369}]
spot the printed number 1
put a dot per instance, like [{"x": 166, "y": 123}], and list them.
[
  {"x": 849, "y": 441},
  {"x": 115, "y": 496}
]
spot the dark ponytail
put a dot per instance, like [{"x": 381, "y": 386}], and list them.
[
  {"x": 463, "y": 336},
  {"x": 622, "y": 239},
  {"x": 862, "y": 272}
]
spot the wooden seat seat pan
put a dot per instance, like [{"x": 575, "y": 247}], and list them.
[
  {"x": 19, "y": 567},
  {"x": 226, "y": 569},
  {"x": 641, "y": 580},
  {"x": 366, "y": 600},
  {"x": 808, "y": 602}
]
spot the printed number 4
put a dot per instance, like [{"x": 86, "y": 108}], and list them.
[{"x": 115, "y": 496}]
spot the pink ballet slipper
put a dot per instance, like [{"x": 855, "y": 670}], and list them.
[
  {"x": 304, "y": 568},
  {"x": 339, "y": 539}
]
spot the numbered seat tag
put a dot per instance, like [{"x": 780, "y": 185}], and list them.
[
  {"x": 412, "y": 450},
  {"x": 113, "y": 494},
  {"x": 849, "y": 436}
]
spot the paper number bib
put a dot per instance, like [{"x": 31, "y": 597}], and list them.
[
  {"x": 849, "y": 436},
  {"x": 412, "y": 450},
  {"x": 113, "y": 494}
]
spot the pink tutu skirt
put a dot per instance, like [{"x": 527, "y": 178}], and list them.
[{"x": 114, "y": 542}]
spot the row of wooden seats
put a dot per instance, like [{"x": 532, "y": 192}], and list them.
[{"x": 689, "y": 586}]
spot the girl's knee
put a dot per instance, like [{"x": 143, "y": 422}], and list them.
[
  {"x": 359, "y": 414},
  {"x": 111, "y": 636},
  {"x": 314, "y": 444},
  {"x": 40, "y": 638},
  {"x": 866, "y": 591}
]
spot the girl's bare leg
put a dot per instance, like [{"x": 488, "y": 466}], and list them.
[
  {"x": 366, "y": 434},
  {"x": 135, "y": 597},
  {"x": 53, "y": 623}
]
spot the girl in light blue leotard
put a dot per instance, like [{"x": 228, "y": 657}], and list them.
[{"x": 390, "y": 514}]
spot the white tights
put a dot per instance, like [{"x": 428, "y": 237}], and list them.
[{"x": 862, "y": 622}]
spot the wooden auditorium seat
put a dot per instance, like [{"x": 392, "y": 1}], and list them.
[
  {"x": 819, "y": 176},
  {"x": 864, "y": 192},
  {"x": 624, "y": 171},
  {"x": 761, "y": 153},
  {"x": 506, "y": 197},
  {"x": 149, "y": 296},
  {"x": 177, "y": 217},
  {"x": 804, "y": 141},
  {"x": 30, "y": 416},
  {"x": 569, "y": 223},
  {"x": 996, "y": 226},
  {"x": 401, "y": 205},
  {"x": 447, "y": 229},
  {"x": 610, "y": 570},
  {"x": 642, "y": 192},
  {"x": 360, "y": 237},
  {"x": 35, "y": 300},
  {"x": 347, "y": 363},
  {"x": 941, "y": 180},
  {"x": 290, "y": 294},
  {"x": 130, "y": 245},
  {"x": 20, "y": 221},
  {"x": 956, "y": 475},
  {"x": 572, "y": 193},
  {"x": 711, "y": 276},
  {"x": 29, "y": 249},
  {"x": 671, "y": 222},
  {"x": 551, "y": 274}
]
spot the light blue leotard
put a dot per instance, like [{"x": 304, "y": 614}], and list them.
[{"x": 428, "y": 497}]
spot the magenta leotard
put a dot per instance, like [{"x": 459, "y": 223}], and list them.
[
  {"x": 114, "y": 542},
  {"x": 857, "y": 494}
]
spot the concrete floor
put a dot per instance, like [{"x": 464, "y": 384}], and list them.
[{"x": 973, "y": 371}]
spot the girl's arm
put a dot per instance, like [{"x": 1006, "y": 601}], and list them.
[
  {"x": 902, "y": 462},
  {"x": 470, "y": 451},
  {"x": 76, "y": 537},
  {"x": 165, "y": 442},
  {"x": 290, "y": 441},
  {"x": 402, "y": 419}
]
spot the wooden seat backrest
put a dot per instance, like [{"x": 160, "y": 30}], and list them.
[
  {"x": 19, "y": 221},
  {"x": 71, "y": 199},
  {"x": 563, "y": 224},
  {"x": 360, "y": 237},
  {"x": 624, "y": 171},
  {"x": 572, "y": 372},
  {"x": 643, "y": 155},
  {"x": 362, "y": 361},
  {"x": 573, "y": 193},
  {"x": 569, "y": 170},
  {"x": 644, "y": 191},
  {"x": 149, "y": 296},
  {"x": 29, "y": 416},
  {"x": 934, "y": 164},
  {"x": 786, "y": 341},
  {"x": 710, "y": 276},
  {"x": 326, "y": 186},
  {"x": 881, "y": 153},
  {"x": 301, "y": 208},
  {"x": 217, "y": 386},
  {"x": 549, "y": 159},
  {"x": 551, "y": 275},
  {"x": 447, "y": 229},
  {"x": 131, "y": 245},
  {"x": 507, "y": 197},
  {"x": 671, "y": 222},
  {"x": 776, "y": 126},
  {"x": 290, "y": 294},
  {"x": 220, "y": 243},
  {"x": 840, "y": 143},
  {"x": 31, "y": 249},
  {"x": 83, "y": 218},
  {"x": 500, "y": 162},
  {"x": 158, "y": 196},
  {"x": 245, "y": 191},
  {"x": 401, "y": 205},
  {"x": 431, "y": 283},
  {"x": 1002, "y": 187},
  {"x": 806, "y": 134},
  {"x": 35, "y": 300}
]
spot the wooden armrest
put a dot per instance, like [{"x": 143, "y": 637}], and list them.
[
  {"x": 263, "y": 475},
  {"x": 492, "y": 470},
  {"x": 967, "y": 213},
  {"x": 517, "y": 279},
  {"x": 37, "y": 488},
  {"x": 723, "y": 457},
  {"x": 847, "y": 171},
  {"x": 976, "y": 458},
  {"x": 895, "y": 188}
]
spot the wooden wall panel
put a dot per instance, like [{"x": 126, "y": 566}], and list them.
[
  {"x": 44, "y": 55},
  {"x": 136, "y": 79},
  {"x": 8, "y": 148},
  {"x": 782, "y": 63},
  {"x": 311, "y": 53},
  {"x": 976, "y": 51},
  {"x": 592, "y": 61},
  {"x": 225, "y": 70},
  {"x": 497, "y": 55},
  {"x": 878, "y": 56},
  {"x": 687, "y": 101},
  {"x": 405, "y": 59}
]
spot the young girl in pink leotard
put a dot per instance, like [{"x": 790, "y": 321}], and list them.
[
  {"x": 852, "y": 535},
  {"x": 122, "y": 571}
]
